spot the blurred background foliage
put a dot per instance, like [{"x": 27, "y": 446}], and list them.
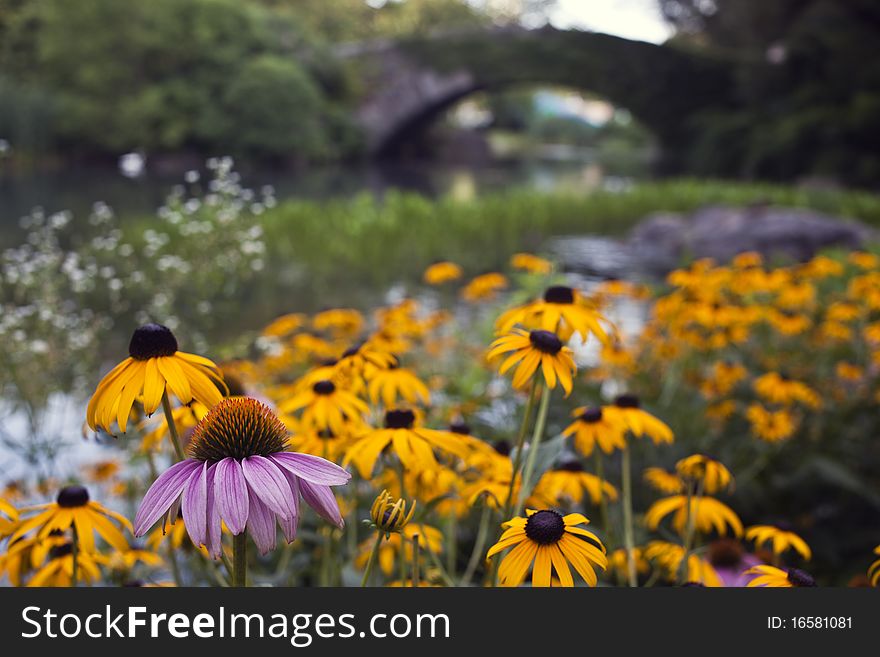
[{"x": 261, "y": 79}]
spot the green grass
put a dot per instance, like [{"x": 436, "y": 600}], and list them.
[{"x": 375, "y": 242}]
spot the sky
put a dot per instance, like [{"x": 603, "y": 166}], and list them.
[{"x": 633, "y": 19}]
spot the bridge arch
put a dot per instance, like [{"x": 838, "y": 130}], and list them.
[{"x": 408, "y": 83}]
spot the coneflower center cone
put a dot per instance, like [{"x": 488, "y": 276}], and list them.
[{"x": 238, "y": 428}]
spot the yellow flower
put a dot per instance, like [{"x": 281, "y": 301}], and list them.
[
  {"x": 397, "y": 383},
  {"x": 73, "y": 509},
  {"x": 153, "y": 365},
  {"x": 531, "y": 350},
  {"x": 484, "y": 287},
  {"x": 7, "y": 523},
  {"x": 530, "y": 263},
  {"x": 390, "y": 548},
  {"x": 125, "y": 560},
  {"x": 562, "y": 310},
  {"x": 566, "y": 484},
  {"x": 772, "y": 577},
  {"x": 552, "y": 542},
  {"x": 326, "y": 407},
  {"x": 389, "y": 515},
  {"x": 58, "y": 570},
  {"x": 340, "y": 322},
  {"x": 771, "y": 426},
  {"x": 874, "y": 569},
  {"x": 725, "y": 375},
  {"x": 413, "y": 445},
  {"x": 864, "y": 260},
  {"x": 626, "y": 411},
  {"x": 663, "y": 481},
  {"x": 102, "y": 471},
  {"x": 285, "y": 325},
  {"x": 848, "y": 372},
  {"x": 668, "y": 557},
  {"x": 778, "y": 389},
  {"x": 781, "y": 540},
  {"x": 706, "y": 472},
  {"x": 363, "y": 360},
  {"x": 593, "y": 427},
  {"x": 442, "y": 272},
  {"x": 708, "y": 514},
  {"x": 617, "y": 562}
]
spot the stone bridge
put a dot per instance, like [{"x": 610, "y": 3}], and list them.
[{"x": 408, "y": 84}]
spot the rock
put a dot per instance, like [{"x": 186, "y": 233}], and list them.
[{"x": 662, "y": 241}]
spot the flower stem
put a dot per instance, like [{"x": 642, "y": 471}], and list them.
[
  {"x": 172, "y": 560},
  {"x": 520, "y": 442},
  {"x": 239, "y": 560},
  {"x": 603, "y": 501},
  {"x": 372, "y": 559},
  {"x": 172, "y": 428},
  {"x": 451, "y": 542},
  {"x": 479, "y": 545},
  {"x": 628, "y": 539},
  {"x": 416, "y": 556},
  {"x": 693, "y": 499},
  {"x": 537, "y": 436}
]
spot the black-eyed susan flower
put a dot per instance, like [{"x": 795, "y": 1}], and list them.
[
  {"x": 592, "y": 428},
  {"x": 551, "y": 542},
  {"x": 8, "y": 518},
  {"x": 154, "y": 366},
  {"x": 285, "y": 325},
  {"x": 562, "y": 310},
  {"x": 669, "y": 556},
  {"x": 339, "y": 322},
  {"x": 326, "y": 407},
  {"x": 707, "y": 514},
  {"x": 530, "y": 263},
  {"x": 663, "y": 481},
  {"x": 442, "y": 272},
  {"x": 566, "y": 484},
  {"x": 619, "y": 564},
  {"x": 397, "y": 383},
  {"x": 771, "y": 426},
  {"x": 626, "y": 411},
  {"x": 73, "y": 509},
  {"x": 398, "y": 543},
  {"x": 364, "y": 359},
  {"x": 704, "y": 473},
  {"x": 779, "y": 389},
  {"x": 780, "y": 540},
  {"x": 63, "y": 565},
  {"x": 874, "y": 569},
  {"x": 773, "y": 577},
  {"x": 414, "y": 445},
  {"x": 531, "y": 350},
  {"x": 239, "y": 473},
  {"x": 484, "y": 287}
]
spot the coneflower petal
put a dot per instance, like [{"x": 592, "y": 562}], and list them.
[
  {"x": 265, "y": 480},
  {"x": 261, "y": 525},
  {"x": 231, "y": 494},
  {"x": 195, "y": 505},
  {"x": 289, "y": 525},
  {"x": 212, "y": 515},
  {"x": 162, "y": 494},
  {"x": 322, "y": 500},
  {"x": 313, "y": 469}
]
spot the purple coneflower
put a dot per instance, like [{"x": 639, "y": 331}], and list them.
[{"x": 240, "y": 473}]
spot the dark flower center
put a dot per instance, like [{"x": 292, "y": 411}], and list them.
[
  {"x": 592, "y": 415},
  {"x": 798, "y": 577},
  {"x": 572, "y": 465},
  {"x": 502, "y": 447},
  {"x": 399, "y": 419},
  {"x": 72, "y": 496},
  {"x": 460, "y": 427},
  {"x": 351, "y": 351},
  {"x": 545, "y": 527},
  {"x": 152, "y": 341},
  {"x": 627, "y": 401},
  {"x": 61, "y": 550},
  {"x": 725, "y": 552},
  {"x": 238, "y": 427},
  {"x": 694, "y": 584},
  {"x": 545, "y": 341},
  {"x": 559, "y": 294},
  {"x": 324, "y": 388}
]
